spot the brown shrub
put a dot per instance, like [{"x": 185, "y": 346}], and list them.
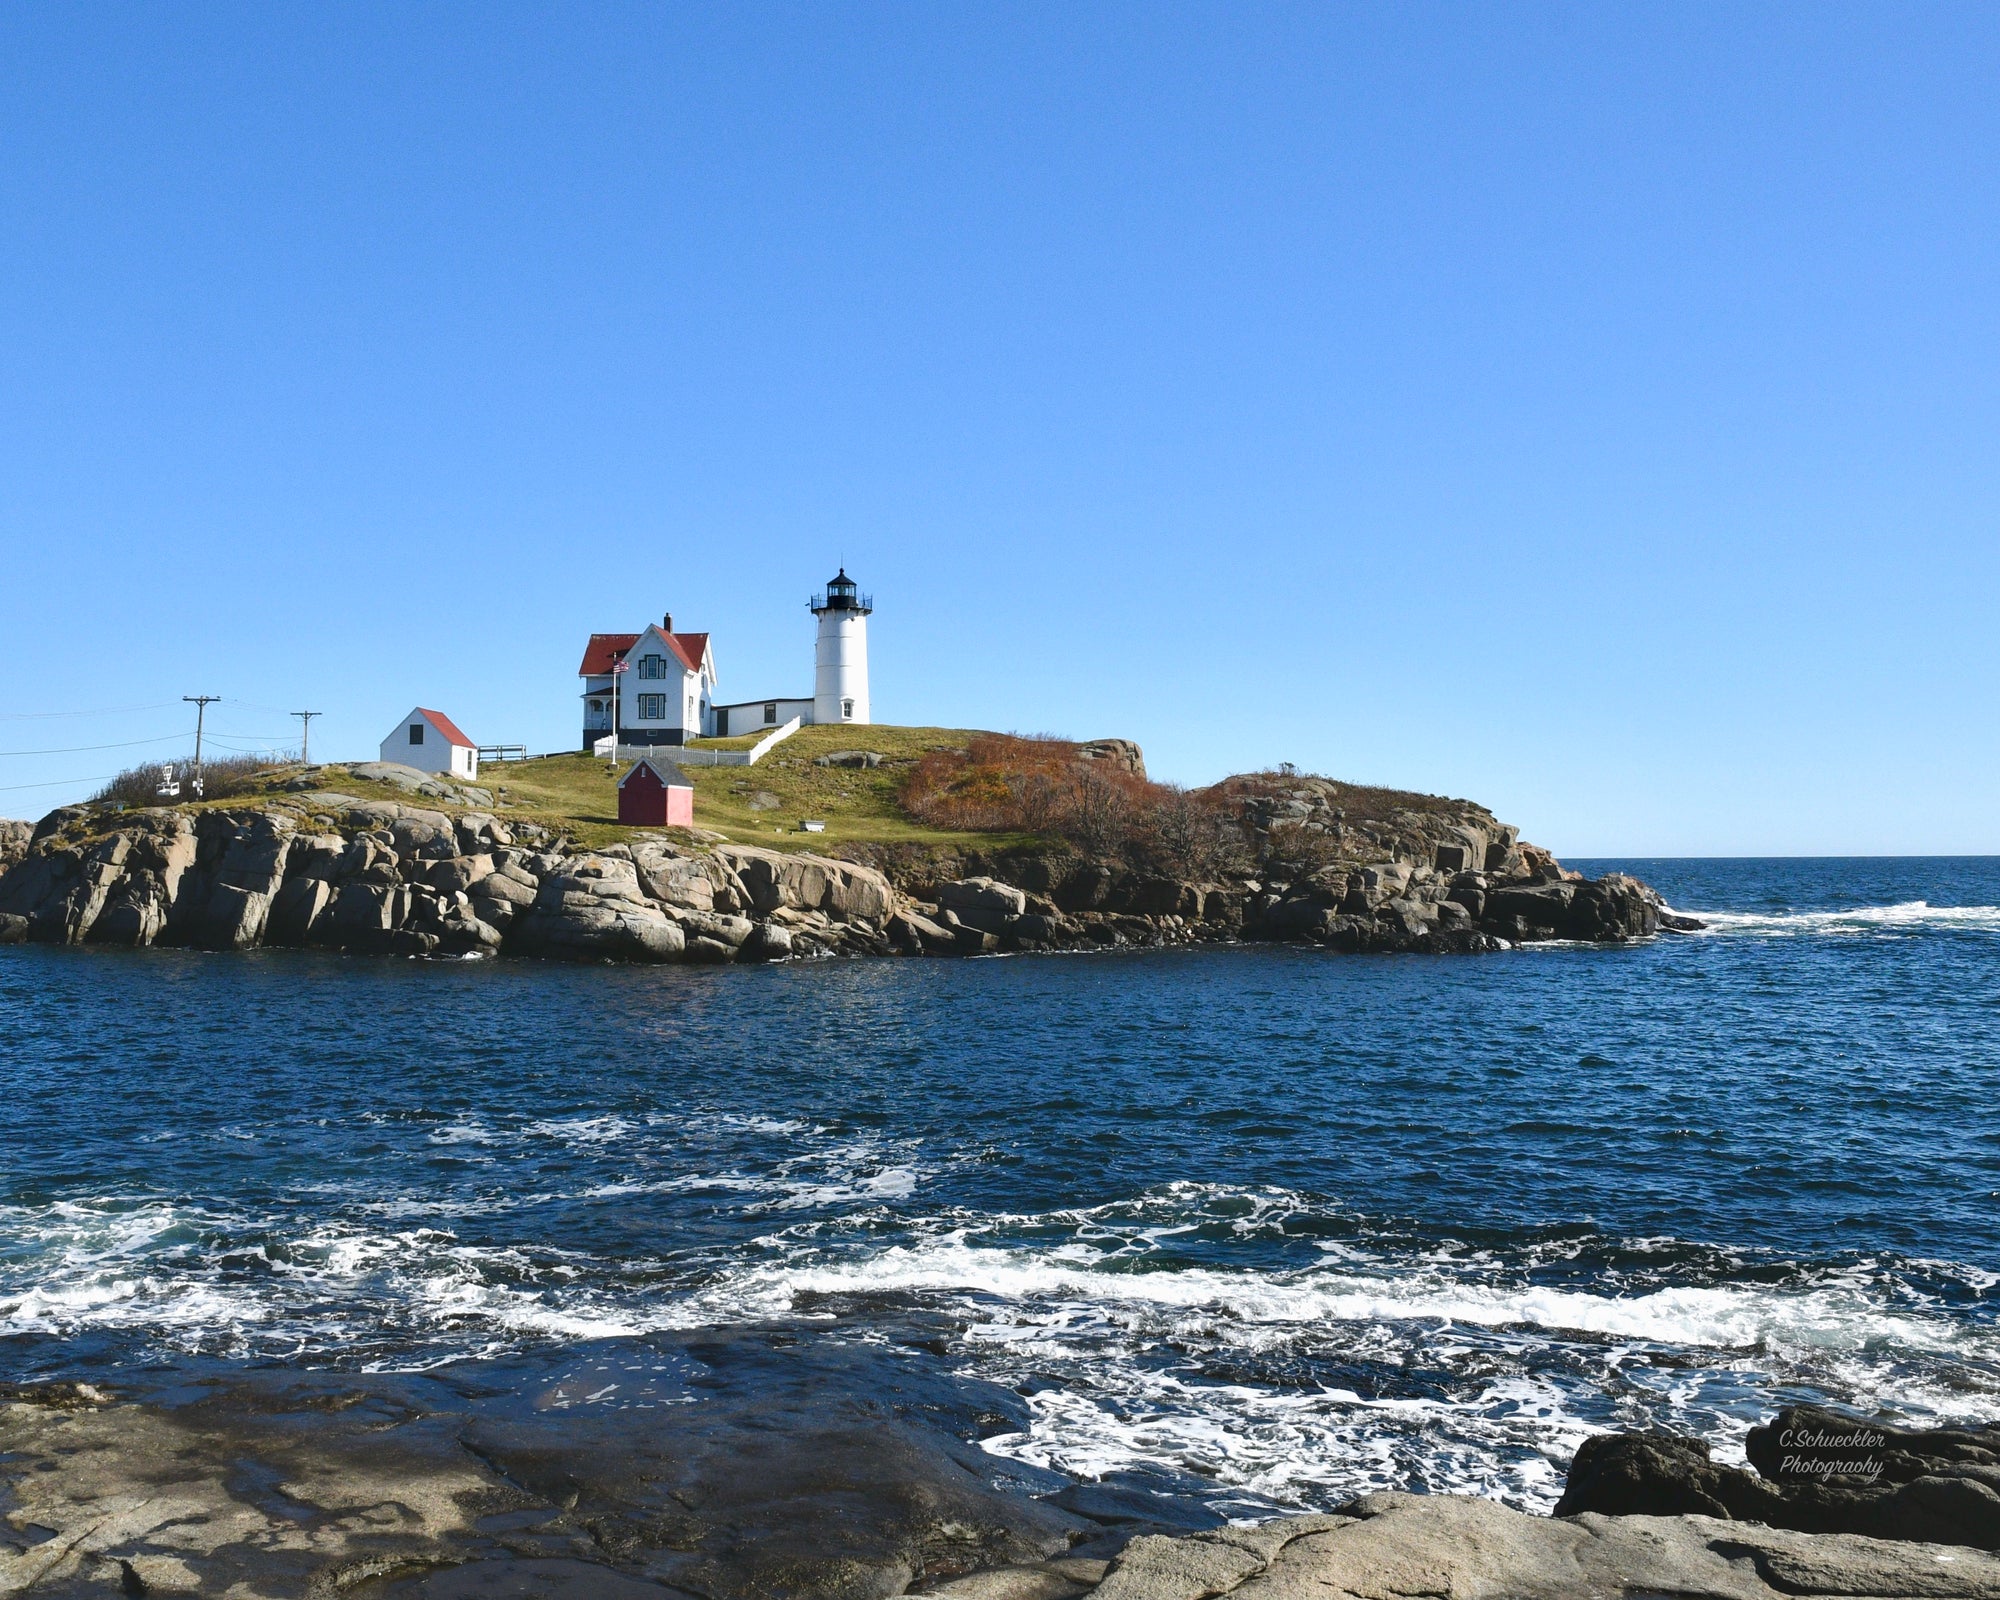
[
  {"x": 1300, "y": 849},
  {"x": 1191, "y": 833},
  {"x": 999, "y": 783},
  {"x": 1010, "y": 783},
  {"x": 221, "y": 779}
]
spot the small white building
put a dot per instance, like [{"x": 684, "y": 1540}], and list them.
[{"x": 431, "y": 742}]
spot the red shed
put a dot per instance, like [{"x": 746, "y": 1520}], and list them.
[{"x": 655, "y": 794}]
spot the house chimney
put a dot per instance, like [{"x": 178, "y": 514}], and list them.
[{"x": 667, "y": 623}]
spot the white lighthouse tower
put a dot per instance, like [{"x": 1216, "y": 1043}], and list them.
[{"x": 840, "y": 675}]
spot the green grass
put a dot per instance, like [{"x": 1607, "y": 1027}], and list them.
[
  {"x": 579, "y": 793},
  {"x": 736, "y": 741}
]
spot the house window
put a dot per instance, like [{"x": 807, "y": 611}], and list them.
[
  {"x": 770, "y": 712},
  {"x": 846, "y": 709},
  {"x": 652, "y": 707},
  {"x": 416, "y": 733},
  {"x": 652, "y": 666}
]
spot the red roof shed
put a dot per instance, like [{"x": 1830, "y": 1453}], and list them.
[{"x": 655, "y": 794}]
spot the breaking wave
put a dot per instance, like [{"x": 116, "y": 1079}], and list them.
[
  {"x": 1369, "y": 1364},
  {"x": 1912, "y": 916}
]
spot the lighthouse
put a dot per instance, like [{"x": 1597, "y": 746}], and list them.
[{"x": 840, "y": 663}]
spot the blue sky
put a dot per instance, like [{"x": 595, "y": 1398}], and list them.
[{"x": 1590, "y": 410}]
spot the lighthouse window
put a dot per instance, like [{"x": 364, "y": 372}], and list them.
[
  {"x": 846, "y": 709},
  {"x": 770, "y": 712}
]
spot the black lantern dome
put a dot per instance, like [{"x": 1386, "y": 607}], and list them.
[{"x": 840, "y": 594}]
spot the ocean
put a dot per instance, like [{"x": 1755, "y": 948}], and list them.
[{"x": 1256, "y": 1227}]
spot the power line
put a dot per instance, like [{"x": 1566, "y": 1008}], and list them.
[
  {"x": 108, "y": 711},
  {"x": 78, "y": 749},
  {"x": 258, "y": 705},
  {"x": 54, "y": 783}
]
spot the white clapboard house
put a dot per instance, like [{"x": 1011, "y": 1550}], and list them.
[{"x": 663, "y": 684}]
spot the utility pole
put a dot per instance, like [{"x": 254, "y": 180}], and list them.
[
  {"x": 305, "y": 735},
  {"x": 201, "y": 703}
]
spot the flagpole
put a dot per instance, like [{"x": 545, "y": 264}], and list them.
[{"x": 617, "y": 692}]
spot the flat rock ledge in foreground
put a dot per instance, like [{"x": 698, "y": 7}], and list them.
[
  {"x": 1392, "y": 1545},
  {"x": 761, "y": 1464}
]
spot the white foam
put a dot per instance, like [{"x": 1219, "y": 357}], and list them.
[
  {"x": 1117, "y": 1359},
  {"x": 1830, "y": 1316},
  {"x": 583, "y": 1130},
  {"x": 465, "y": 1131},
  {"x": 1299, "y": 1447},
  {"x": 1131, "y": 1356},
  {"x": 891, "y": 1183},
  {"x": 1907, "y": 916}
]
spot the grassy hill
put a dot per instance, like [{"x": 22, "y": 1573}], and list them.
[
  {"x": 577, "y": 794},
  {"x": 764, "y": 804}
]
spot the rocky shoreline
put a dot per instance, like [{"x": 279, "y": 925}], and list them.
[
  {"x": 785, "y": 1460},
  {"x": 435, "y": 873}
]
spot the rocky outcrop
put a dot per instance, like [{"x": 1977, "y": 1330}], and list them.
[
  {"x": 14, "y": 838},
  {"x": 1295, "y": 859},
  {"x": 1120, "y": 753},
  {"x": 327, "y": 869},
  {"x": 1816, "y": 1472}
]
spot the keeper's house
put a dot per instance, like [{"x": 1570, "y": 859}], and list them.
[
  {"x": 659, "y": 685},
  {"x": 430, "y": 742}
]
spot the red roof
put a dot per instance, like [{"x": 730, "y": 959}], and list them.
[
  {"x": 605, "y": 650},
  {"x": 692, "y": 646},
  {"x": 446, "y": 726}
]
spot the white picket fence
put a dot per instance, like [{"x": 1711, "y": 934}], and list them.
[{"x": 687, "y": 757}]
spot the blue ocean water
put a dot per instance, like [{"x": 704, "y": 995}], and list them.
[{"x": 1260, "y": 1226}]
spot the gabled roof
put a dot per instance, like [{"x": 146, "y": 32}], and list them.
[
  {"x": 668, "y": 772},
  {"x": 605, "y": 650},
  {"x": 446, "y": 726},
  {"x": 692, "y": 646}
]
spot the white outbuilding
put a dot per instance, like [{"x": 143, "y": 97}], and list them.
[{"x": 431, "y": 742}]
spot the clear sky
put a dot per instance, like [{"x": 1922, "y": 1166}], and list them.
[{"x": 1591, "y": 410}]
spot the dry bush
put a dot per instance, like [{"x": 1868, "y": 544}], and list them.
[
  {"x": 1191, "y": 833},
  {"x": 1096, "y": 814},
  {"x": 1300, "y": 848},
  {"x": 1010, "y": 783},
  {"x": 999, "y": 783},
  {"x": 222, "y": 779}
]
